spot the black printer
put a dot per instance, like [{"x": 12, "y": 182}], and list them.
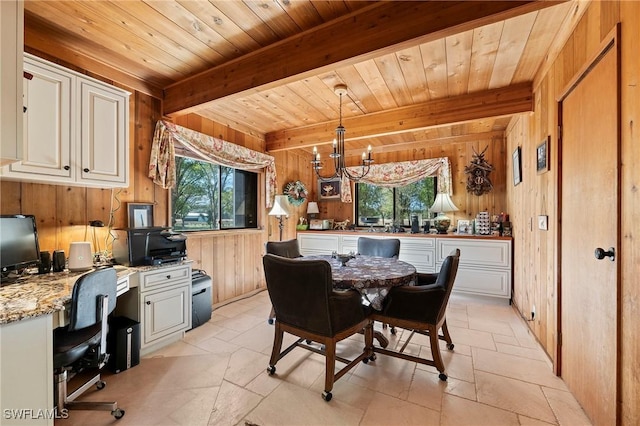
[{"x": 148, "y": 246}]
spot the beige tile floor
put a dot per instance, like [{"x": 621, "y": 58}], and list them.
[{"x": 498, "y": 375}]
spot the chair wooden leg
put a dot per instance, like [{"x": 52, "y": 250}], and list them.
[
  {"x": 330, "y": 366},
  {"x": 446, "y": 335},
  {"x": 277, "y": 345},
  {"x": 435, "y": 350}
]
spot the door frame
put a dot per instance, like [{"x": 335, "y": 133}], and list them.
[{"x": 611, "y": 42}]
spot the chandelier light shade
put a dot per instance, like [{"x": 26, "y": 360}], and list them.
[
  {"x": 280, "y": 211},
  {"x": 340, "y": 168},
  {"x": 443, "y": 204}
]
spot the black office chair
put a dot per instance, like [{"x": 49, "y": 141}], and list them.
[
  {"x": 289, "y": 249},
  {"x": 308, "y": 307},
  {"x": 381, "y": 247},
  {"x": 81, "y": 345},
  {"x": 422, "y": 309}
]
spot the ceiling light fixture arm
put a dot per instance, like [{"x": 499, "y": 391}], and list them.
[{"x": 338, "y": 154}]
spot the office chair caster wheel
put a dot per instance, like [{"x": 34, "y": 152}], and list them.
[
  {"x": 271, "y": 370},
  {"x": 326, "y": 396},
  {"x": 118, "y": 413},
  {"x": 372, "y": 357},
  {"x": 101, "y": 384},
  {"x": 394, "y": 331},
  {"x": 450, "y": 347},
  {"x": 270, "y": 321},
  {"x": 443, "y": 377},
  {"x": 308, "y": 341}
]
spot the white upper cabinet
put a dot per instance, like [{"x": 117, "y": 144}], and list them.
[
  {"x": 11, "y": 46},
  {"x": 103, "y": 129},
  {"x": 75, "y": 129}
]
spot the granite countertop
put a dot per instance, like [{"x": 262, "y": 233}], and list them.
[{"x": 35, "y": 295}]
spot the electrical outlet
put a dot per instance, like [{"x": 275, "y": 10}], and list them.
[{"x": 533, "y": 312}]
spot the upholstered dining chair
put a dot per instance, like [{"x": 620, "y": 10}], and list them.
[
  {"x": 308, "y": 307},
  {"x": 81, "y": 345},
  {"x": 422, "y": 309},
  {"x": 381, "y": 247},
  {"x": 289, "y": 249}
]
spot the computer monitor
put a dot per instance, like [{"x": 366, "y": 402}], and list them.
[{"x": 19, "y": 247}]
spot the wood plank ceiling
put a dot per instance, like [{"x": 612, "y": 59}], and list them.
[{"x": 417, "y": 72}]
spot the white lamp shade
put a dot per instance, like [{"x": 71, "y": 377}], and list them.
[
  {"x": 279, "y": 208},
  {"x": 443, "y": 203},
  {"x": 312, "y": 207}
]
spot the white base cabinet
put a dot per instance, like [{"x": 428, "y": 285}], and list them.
[
  {"x": 485, "y": 262},
  {"x": 160, "y": 299},
  {"x": 26, "y": 368},
  {"x": 420, "y": 252},
  {"x": 75, "y": 129},
  {"x": 485, "y": 265}
]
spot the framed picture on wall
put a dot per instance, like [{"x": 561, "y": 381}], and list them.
[
  {"x": 517, "y": 167},
  {"x": 542, "y": 156},
  {"x": 140, "y": 215},
  {"x": 329, "y": 190}
]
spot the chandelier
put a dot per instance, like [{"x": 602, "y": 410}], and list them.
[{"x": 340, "y": 168}]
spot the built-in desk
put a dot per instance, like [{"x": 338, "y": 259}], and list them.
[{"x": 29, "y": 311}]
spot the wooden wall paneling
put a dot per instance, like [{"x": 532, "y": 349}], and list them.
[
  {"x": 39, "y": 200},
  {"x": 71, "y": 215},
  {"x": 98, "y": 208},
  {"x": 143, "y": 187},
  {"x": 10, "y": 196},
  {"x": 630, "y": 221}
]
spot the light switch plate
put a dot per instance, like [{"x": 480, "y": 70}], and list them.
[{"x": 543, "y": 222}]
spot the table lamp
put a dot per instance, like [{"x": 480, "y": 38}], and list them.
[
  {"x": 278, "y": 210},
  {"x": 312, "y": 210},
  {"x": 442, "y": 205},
  {"x": 97, "y": 257}
]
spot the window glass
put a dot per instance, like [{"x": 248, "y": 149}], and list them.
[
  {"x": 210, "y": 197},
  {"x": 380, "y": 206}
]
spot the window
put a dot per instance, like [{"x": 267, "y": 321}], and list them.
[
  {"x": 381, "y": 206},
  {"x": 212, "y": 197}
]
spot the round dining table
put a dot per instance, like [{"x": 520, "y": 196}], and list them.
[{"x": 372, "y": 276}]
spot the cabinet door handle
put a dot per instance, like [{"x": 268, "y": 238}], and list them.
[
  {"x": 148, "y": 302},
  {"x": 85, "y": 170},
  {"x": 67, "y": 167}
]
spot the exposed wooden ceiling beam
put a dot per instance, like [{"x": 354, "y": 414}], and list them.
[
  {"x": 361, "y": 35},
  {"x": 491, "y": 103}
]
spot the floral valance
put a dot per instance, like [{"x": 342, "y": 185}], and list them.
[
  {"x": 402, "y": 173},
  {"x": 162, "y": 166}
]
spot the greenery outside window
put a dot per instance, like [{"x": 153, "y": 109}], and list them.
[
  {"x": 382, "y": 206},
  {"x": 208, "y": 196}
]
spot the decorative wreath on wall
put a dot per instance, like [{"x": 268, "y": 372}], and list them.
[{"x": 296, "y": 192}]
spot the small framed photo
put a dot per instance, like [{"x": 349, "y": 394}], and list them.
[
  {"x": 517, "y": 167},
  {"x": 140, "y": 215},
  {"x": 542, "y": 156},
  {"x": 464, "y": 226},
  {"x": 329, "y": 190}
]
